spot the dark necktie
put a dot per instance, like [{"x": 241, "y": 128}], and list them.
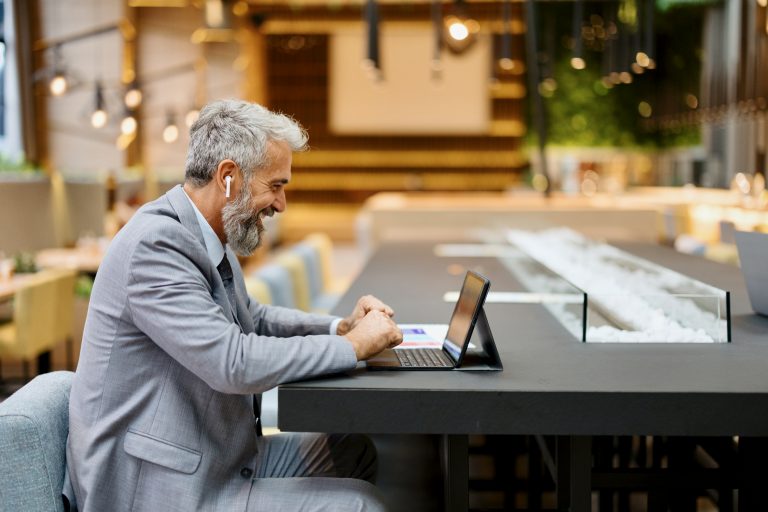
[{"x": 225, "y": 271}]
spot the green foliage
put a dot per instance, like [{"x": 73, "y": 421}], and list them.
[
  {"x": 665, "y": 5},
  {"x": 83, "y": 286},
  {"x": 583, "y": 112},
  {"x": 24, "y": 263},
  {"x": 16, "y": 165},
  {"x": 583, "y": 109}
]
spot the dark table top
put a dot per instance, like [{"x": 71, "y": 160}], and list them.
[{"x": 551, "y": 383}]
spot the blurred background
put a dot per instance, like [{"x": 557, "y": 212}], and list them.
[
  {"x": 542, "y": 100},
  {"x": 428, "y": 120},
  {"x": 628, "y": 119},
  {"x": 444, "y": 120}
]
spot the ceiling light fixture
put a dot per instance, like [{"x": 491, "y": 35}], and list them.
[
  {"x": 577, "y": 61},
  {"x": 171, "y": 131},
  {"x": 372, "y": 62},
  {"x": 99, "y": 116},
  {"x": 459, "y": 29},
  {"x": 129, "y": 124},
  {"x": 505, "y": 62},
  {"x": 58, "y": 84},
  {"x": 437, "y": 47},
  {"x": 645, "y": 56},
  {"x": 191, "y": 116},
  {"x": 133, "y": 96}
]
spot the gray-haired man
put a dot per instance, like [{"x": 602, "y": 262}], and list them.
[{"x": 162, "y": 406}]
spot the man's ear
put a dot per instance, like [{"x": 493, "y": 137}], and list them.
[{"x": 226, "y": 177}]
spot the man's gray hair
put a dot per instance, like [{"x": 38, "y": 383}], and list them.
[{"x": 239, "y": 131}]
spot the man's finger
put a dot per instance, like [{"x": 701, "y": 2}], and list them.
[{"x": 378, "y": 305}]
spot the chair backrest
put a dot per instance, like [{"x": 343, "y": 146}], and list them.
[
  {"x": 295, "y": 266},
  {"x": 313, "y": 265},
  {"x": 258, "y": 288},
  {"x": 278, "y": 278},
  {"x": 65, "y": 302},
  {"x": 34, "y": 423},
  {"x": 324, "y": 246},
  {"x": 35, "y": 313}
]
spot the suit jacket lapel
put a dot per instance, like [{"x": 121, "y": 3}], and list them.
[
  {"x": 180, "y": 204},
  {"x": 241, "y": 315},
  {"x": 186, "y": 214}
]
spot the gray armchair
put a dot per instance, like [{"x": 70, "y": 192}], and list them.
[{"x": 34, "y": 423}]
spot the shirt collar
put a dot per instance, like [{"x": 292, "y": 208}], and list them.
[{"x": 213, "y": 245}]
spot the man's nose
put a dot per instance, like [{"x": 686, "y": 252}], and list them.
[{"x": 279, "y": 204}]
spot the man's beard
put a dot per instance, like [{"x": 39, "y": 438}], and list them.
[{"x": 242, "y": 226}]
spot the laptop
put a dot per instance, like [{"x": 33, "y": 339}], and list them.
[
  {"x": 468, "y": 317},
  {"x": 753, "y": 254}
]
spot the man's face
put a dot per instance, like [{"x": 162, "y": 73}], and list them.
[{"x": 262, "y": 196}]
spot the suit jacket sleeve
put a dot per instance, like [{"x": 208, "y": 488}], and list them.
[
  {"x": 171, "y": 301},
  {"x": 279, "y": 321}
]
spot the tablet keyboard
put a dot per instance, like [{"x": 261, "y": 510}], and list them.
[{"x": 423, "y": 358}]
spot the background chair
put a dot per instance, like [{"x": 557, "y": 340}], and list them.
[
  {"x": 278, "y": 280},
  {"x": 65, "y": 304},
  {"x": 258, "y": 288},
  {"x": 34, "y": 423},
  {"x": 294, "y": 264},
  {"x": 299, "y": 277},
  {"x": 312, "y": 264},
  {"x": 322, "y": 300},
  {"x": 38, "y": 309},
  {"x": 323, "y": 245}
]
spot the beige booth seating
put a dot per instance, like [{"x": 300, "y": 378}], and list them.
[{"x": 474, "y": 216}]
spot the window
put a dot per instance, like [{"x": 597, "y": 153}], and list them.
[{"x": 10, "y": 102}]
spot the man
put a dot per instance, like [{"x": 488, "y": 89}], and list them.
[{"x": 162, "y": 410}]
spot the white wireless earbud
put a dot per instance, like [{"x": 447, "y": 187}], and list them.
[{"x": 227, "y": 179}]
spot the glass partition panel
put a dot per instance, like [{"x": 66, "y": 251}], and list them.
[
  {"x": 564, "y": 300},
  {"x": 627, "y": 298},
  {"x": 657, "y": 318}
]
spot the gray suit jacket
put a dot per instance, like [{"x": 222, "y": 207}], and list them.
[{"x": 161, "y": 413}]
